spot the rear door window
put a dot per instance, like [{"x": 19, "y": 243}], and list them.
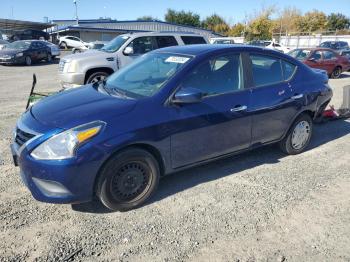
[
  {"x": 193, "y": 40},
  {"x": 328, "y": 55},
  {"x": 165, "y": 41},
  {"x": 267, "y": 70}
]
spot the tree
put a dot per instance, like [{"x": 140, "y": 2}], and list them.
[
  {"x": 211, "y": 21},
  {"x": 237, "y": 30},
  {"x": 288, "y": 20},
  {"x": 182, "y": 18},
  {"x": 146, "y": 18},
  {"x": 260, "y": 26},
  {"x": 312, "y": 21},
  {"x": 337, "y": 22}
]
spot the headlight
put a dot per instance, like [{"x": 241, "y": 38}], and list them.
[
  {"x": 63, "y": 145},
  {"x": 19, "y": 54},
  {"x": 72, "y": 66}
]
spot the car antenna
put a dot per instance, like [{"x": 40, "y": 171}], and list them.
[{"x": 32, "y": 90}]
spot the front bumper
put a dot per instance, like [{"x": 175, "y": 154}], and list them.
[
  {"x": 57, "y": 181},
  {"x": 12, "y": 61},
  {"x": 70, "y": 80}
]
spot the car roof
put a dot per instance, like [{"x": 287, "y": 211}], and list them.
[
  {"x": 167, "y": 33},
  {"x": 194, "y": 50},
  {"x": 316, "y": 49}
]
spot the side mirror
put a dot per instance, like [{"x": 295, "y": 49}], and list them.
[
  {"x": 312, "y": 59},
  {"x": 187, "y": 95},
  {"x": 128, "y": 50}
]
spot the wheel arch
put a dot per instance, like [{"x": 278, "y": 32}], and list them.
[
  {"x": 144, "y": 146},
  {"x": 309, "y": 112},
  {"x": 90, "y": 71}
]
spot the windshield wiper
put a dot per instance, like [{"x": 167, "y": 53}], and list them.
[{"x": 119, "y": 92}]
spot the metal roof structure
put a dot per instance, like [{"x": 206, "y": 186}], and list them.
[
  {"x": 8, "y": 25},
  {"x": 128, "y": 26}
]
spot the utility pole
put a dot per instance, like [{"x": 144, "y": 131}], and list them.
[{"x": 76, "y": 11}]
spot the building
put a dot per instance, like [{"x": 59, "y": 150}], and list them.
[
  {"x": 106, "y": 29},
  {"x": 11, "y": 26}
]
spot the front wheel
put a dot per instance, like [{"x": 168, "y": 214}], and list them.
[
  {"x": 28, "y": 61},
  {"x": 128, "y": 179},
  {"x": 299, "y": 136},
  {"x": 96, "y": 77}
]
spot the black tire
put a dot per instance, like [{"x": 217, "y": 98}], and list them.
[
  {"x": 288, "y": 144},
  {"x": 28, "y": 61},
  {"x": 96, "y": 77},
  {"x": 76, "y": 51},
  {"x": 64, "y": 45},
  {"x": 336, "y": 72},
  {"x": 128, "y": 179},
  {"x": 48, "y": 58}
]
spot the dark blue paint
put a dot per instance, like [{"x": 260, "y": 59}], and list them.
[{"x": 183, "y": 135}]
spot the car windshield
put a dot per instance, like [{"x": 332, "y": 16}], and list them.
[
  {"x": 146, "y": 76},
  {"x": 300, "y": 54},
  {"x": 19, "y": 45},
  {"x": 115, "y": 44}
]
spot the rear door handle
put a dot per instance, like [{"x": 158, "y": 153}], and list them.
[
  {"x": 297, "y": 96},
  {"x": 238, "y": 108}
]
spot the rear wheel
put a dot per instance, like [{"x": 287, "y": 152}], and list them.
[
  {"x": 49, "y": 58},
  {"x": 336, "y": 72},
  {"x": 299, "y": 136},
  {"x": 96, "y": 77},
  {"x": 128, "y": 179}
]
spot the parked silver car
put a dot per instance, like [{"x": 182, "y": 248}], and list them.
[{"x": 96, "y": 65}]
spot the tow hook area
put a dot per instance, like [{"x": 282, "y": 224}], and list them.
[{"x": 331, "y": 113}]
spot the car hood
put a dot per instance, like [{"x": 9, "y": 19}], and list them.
[
  {"x": 86, "y": 55},
  {"x": 78, "y": 106}
]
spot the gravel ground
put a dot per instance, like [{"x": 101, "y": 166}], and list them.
[{"x": 259, "y": 206}]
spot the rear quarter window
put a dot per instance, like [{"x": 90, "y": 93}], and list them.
[
  {"x": 193, "y": 40},
  {"x": 288, "y": 70}
]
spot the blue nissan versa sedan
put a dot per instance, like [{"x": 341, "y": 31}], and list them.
[{"x": 169, "y": 110}]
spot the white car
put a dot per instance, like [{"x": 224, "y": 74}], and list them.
[
  {"x": 3, "y": 44},
  {"x": 276, "y": 46},
  {"x": 72, "y": 41}
]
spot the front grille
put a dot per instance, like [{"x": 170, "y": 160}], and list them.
[
  {"x": 61, "y": 65},
  {"x": 22, "y": 137}
]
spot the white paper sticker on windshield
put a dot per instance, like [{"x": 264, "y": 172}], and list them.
[{"x": 177, "y": 59}]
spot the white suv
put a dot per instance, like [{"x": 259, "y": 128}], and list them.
[
  {"x": 71, "y": 41},
  {"x": 95, "y": 65}
]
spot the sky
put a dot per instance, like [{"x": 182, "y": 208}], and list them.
[{"x": 232, "y": 10}]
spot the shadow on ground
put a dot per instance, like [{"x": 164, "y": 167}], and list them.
[{"x": 177, "y": 182}]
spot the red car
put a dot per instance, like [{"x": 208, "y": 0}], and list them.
[{"x": 322, "y": 58}]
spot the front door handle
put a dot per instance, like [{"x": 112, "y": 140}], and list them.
[
  {"x": 238, "y": 108},
  {"x": 297, "y": 96}
]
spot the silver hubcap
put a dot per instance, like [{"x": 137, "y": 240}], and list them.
[
  {"x": 28, "y": 61},
  {"x": 97, "y": 79},
  {"x": 301, "y": 134}
]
